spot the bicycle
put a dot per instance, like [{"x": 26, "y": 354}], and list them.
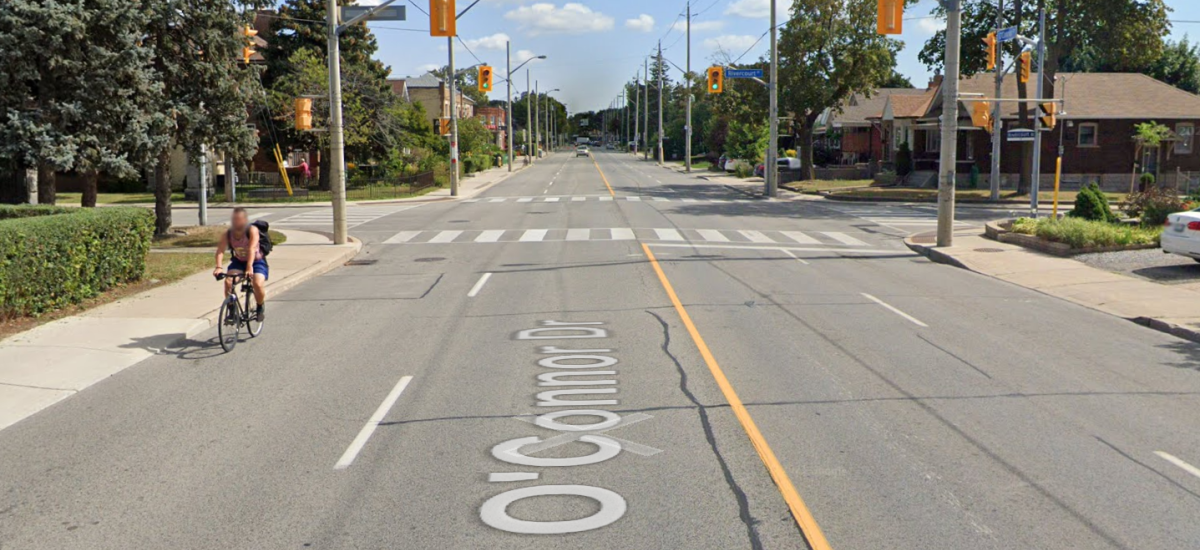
[{"x": 234, "y": 315}]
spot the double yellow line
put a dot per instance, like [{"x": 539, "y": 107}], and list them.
[
  {"x": 804, "y": 518},
  {"x": 603, "y": 177}
]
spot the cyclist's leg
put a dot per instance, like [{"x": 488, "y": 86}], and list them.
[{"x": 261, "y": 274}]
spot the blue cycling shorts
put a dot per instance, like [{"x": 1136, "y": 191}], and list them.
[{"x": 260, "y": 267}]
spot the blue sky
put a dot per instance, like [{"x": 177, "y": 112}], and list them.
[{"x": 593, "y": 46}]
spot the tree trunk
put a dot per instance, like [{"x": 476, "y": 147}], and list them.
[
  {"x": 12, "y": 186},
  {"x": 324, "y": 176},
  {"x": 807, "y": 167},
  {"x": 91, "y": 181},
  {"x": 162, "y": 193},
  {"x": 47, "y": 183}
]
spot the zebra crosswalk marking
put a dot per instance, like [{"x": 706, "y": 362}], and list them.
[{"x": 445, "y": 237}]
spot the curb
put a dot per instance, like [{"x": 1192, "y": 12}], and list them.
[
  {"x": 1159, "y": 325},
  {"x": 302, "y": 276}
]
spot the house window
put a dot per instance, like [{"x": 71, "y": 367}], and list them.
[
  {"x": 1187, "y": 139},
  {"x": 1089, "y": 135},
  {"x": 933, "y": 140}
]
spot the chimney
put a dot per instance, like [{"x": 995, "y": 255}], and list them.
[{"x": 935, "y": 81}]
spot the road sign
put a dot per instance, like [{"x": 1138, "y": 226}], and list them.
[
  {"x": 1007, "y": 35},
  {"x": 743, "y": 73},
  {"x": 1021, "y": 134},
  {"x": 390, "y": 13}
]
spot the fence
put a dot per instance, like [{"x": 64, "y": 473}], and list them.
[{"x": 269, "y": 187}]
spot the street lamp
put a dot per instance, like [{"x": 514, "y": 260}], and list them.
[
  {"x": 548, "y": 134},
  {"x": 508, "y": 46}
]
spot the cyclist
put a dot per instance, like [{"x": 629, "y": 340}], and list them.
[{"x": 243, "y": 240}]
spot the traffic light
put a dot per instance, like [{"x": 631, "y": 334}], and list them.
[
  {"x": 303, "y": 114},
  {"x": 990, "y": 41},
  {"x": 443, "y": 18},
  {"x": 1049, "y": 115},
  {"x": 443, "y": 126},
  {"x": 716, "y": 80},
  {"x": 248, "y": 50},
  {"x": 1026, "y": 66},
  {"x": 981, "y": 115},
  {"x": 485, "y": 79},
  {"x": 891, "y": 16}
]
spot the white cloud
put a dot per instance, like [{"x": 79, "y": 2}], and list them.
[
  {"x": 571, "y": 18},
  {"x": 522, "y": 56},
  {"x": 731, "y": 43},
  {"x": 497, "y": 41},
  {"x": 931, "y": 25},
  {"x": 758, "y": 9},
  {"x": 700, "y": 26},
  {"x": 643, "y": 23},
  {"x": 428, "y": 67}
]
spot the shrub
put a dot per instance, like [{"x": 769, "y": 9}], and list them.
[
  {"x": 8, "y": 212},
  {"x": 1081, "y": 233},
  {"x": 1154, "y": 205},
  {"x": 1092, "y": 204},
  {"x": 904, "y": 160},
  {"x": 1146, "y": 179},
  {"x": 51, "y": 261},
  {"x": 743, "y": 170}
]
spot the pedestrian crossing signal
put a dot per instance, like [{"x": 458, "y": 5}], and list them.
[
  {"x": 981, "y": 115},
  {"x": 716, "y": 80},
  {"x": 443, "y": 18},
  {"x": 485, "y": 79}
]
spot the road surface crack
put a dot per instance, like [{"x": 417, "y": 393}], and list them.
[{"x": 740, "y": 495}]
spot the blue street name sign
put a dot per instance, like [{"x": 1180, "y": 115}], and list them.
[
  {"x": 1021, "y": 134},
  {"x": 743, "y": 73},
  {"x": 1007, "y": 35}
]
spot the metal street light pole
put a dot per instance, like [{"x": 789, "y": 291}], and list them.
[
  {"x": 528, "y": 120},
  {"x": 646, "y": 111},
  {"x": 662, "y": 159},
  {"x": 453, "y": 77},
  {"x": 637, "y": 113},
  {"x": 509, "y": 124},
  {"x": 537, "y": 122}
]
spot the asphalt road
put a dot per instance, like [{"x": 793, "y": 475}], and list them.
[{"x": 417, "y": 400}]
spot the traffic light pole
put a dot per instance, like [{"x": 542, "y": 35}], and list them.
[
  {"x": 998, "y": 113},
  {"x": 948, "y": 167},
  {"x": 637, "y": 114},
  {"x": 337, "y": 146},
  {"x": 771, "y": 171},
  {"x": 662, "y": 158},
  {"x": 1036, "y": 179},
  {"x": 646, "y": 112},
  {"x": 508, "y": 125}
]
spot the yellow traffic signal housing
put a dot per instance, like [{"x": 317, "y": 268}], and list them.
[
  {"x": 1026, "y": 66},
  {"x": 990, "y": 41},
  {"x": 891, "y": 16},
  {"x": 304, "y": 114},
  {"x": 443, "y": 18},
  {"x": 716, "y": 80},
  {"x": 248, "y": 50},
  {"x": 1049, "y": 115},
  {"x": 485, "y": 79},
  {"x": 444, "y": 127},
  {"x": 981, "y": 115}
]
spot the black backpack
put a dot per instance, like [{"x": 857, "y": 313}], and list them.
[{"x": 264, "y": 237}]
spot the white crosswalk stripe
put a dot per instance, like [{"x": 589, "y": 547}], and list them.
[
  {"x": 355, "y": 216},
  {"x": 600, "y": 198},
  {"x": 731, "y": 237}
]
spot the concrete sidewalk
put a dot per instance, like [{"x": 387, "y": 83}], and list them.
[
  {"x": 50, "y": 363},
  {"x": 1174, "y": 309},
  {"x": 468, "y": 187}
]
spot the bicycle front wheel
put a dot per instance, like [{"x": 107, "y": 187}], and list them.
[{"x": 229, "y": 323}]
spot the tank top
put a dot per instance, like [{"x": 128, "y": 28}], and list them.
[{"x": 240, "y": 244}]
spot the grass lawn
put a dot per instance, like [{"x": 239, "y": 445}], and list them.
[
  {"x": 930, "y": 195},
  {"x": 73, "y": 199},
  {"x": 161, "y": 269},
  {"x": 203, "y": 237},
  {"x": 814, "y": 186}
]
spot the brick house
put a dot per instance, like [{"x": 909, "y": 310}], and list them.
[
  {"x": 433, "y": 93},
  {"x": 855, "y": 132},
  {"x": 496, "y": 120},
  {"x": 1097, "y": 131}
]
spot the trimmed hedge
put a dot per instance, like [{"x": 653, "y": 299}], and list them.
[
  {"x": 8, "y": 212},
  {"x": 49, "y": 260}
]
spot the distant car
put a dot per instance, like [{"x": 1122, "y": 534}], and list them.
[
  {"x": 609, "y": 146},
  {"x": 1181, "y": 234},
  {"x": 582, "y": 151},
  {"x": 760, "y": 170}
]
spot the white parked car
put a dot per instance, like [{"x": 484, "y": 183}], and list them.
[{"x": 1181, "y": 235}]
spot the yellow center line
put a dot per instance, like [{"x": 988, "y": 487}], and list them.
[
  {"x": 610, "y": 189},
  {"x": 804, "y": 518}
]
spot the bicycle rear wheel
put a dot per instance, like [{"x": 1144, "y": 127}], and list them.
[
  {"x": 229, "y": 323},
  {"x": 253, "y": 325}
]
